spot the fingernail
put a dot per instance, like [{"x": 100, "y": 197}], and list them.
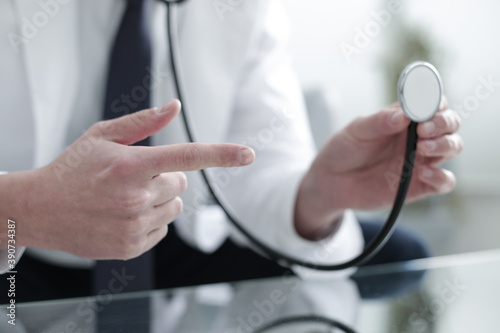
[
  {"x": 246, "y": 156},
  {"x": 167, "y": 107},
  {"x": 396, "y": 117},
  {"x": 430, "y": 146},
  {"x": 429, "y": 127},
  {"x": 427, "y": 173}
]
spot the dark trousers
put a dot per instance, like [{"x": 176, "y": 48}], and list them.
[{"x": 177, "y": 264}]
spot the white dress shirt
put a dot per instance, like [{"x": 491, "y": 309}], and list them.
[{"x": 239, "y": 85}]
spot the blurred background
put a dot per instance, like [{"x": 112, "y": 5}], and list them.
[{"x": 348, "y": 55}]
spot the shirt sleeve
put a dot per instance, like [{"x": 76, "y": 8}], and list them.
[
  {"x": 270, "y": 116},
  {"x": 4, "y": 264}
]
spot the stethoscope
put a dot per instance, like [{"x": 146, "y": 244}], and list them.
[{"x": 419, "y": 93}]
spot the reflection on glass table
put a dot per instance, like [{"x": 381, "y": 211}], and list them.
[{"x": 445, "y": 294}]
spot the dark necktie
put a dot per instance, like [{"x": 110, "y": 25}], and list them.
[{"x": 126, "y": 93}]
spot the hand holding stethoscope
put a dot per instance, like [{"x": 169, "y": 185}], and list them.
[{"x": 363, "y": 161}]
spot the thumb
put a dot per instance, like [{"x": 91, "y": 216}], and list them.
[
  {"x": 389, "y": 121},
  {"x": 137, "y": 126}
]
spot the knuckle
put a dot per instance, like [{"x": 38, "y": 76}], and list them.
[
  {"x": 447, "y": 144},
  {"x": 444, "y": 103},
  {"x": 172, "y": 210},
  {"x": 163, "y": 232},
  {"x": 98, "y": 126},
  {"x": 447, "y": 122},
  {"x": 179, "y": 205},
  {"x": 135, "y": 228},
  {"x": 453, "y": 120},
  {"x": 122, "y": 165},
  {"x": 157, "y": 235},
  {"x": 448, "y": 182},
  {"x": 183, "y": 182},
  {"x": 451, "y": 183},
  {"x": 126, "y": 253},
  {"x": 225, "y": 155},
  {"x": 459, "y": 144},
  {"x": 457, "y": 119},
  {"x": 452, "y": 144},
  {"x": 132, "y": 240},
  {"x": 133, "y": 251},
  {"x": 102, "y": 127},
  {"x": 139, "y": 119},
  {"x": 190, "y": 158},
  {"x": 450, "y": 120},
  {"x": 128, "y": 249},
  {"x": 134, "y": 201}
]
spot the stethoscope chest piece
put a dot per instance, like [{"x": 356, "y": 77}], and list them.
[{"x": 419, "y": 91}]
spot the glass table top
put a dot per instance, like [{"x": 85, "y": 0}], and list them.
[{"x": 458, "y": 293}]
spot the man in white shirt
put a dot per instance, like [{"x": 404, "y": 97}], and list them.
[{"x": 101, "y": 199}]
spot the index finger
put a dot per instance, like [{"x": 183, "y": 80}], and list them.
[
  {"x": 194, "y": 156},
  {"x": 389, "y": 121}
]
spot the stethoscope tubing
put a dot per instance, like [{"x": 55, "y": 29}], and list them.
[{"x": 282, "y": 258}]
